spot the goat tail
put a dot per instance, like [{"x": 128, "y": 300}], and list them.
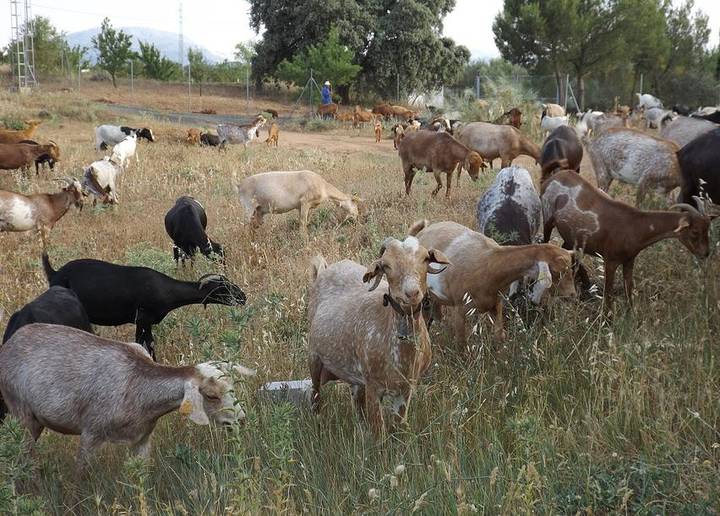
[
  {"x": 317, "y": 265},
  {"x": 49, "y": 271},
  {"x": 418, "y": 226}
]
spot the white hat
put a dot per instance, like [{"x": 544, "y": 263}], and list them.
[{"x": 327, "y": 83}]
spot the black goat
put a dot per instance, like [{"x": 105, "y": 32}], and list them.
[
  {"x": 699, "y": 168},
  {"x": 209, "y": 139},
  {"x": 118, "y": 294},
  {"x": 57, "y": 305},
  {"x": 41, "y": 160},
  {"x": 185, "y": 224}
]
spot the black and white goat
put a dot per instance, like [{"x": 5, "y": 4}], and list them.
[
  {"x": 118, "y": 294},
  {"x": 185, "y": 224},
  {"x": 110, "y": 135}
]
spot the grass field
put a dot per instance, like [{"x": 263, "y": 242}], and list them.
[{"x": 573, "y": 414}]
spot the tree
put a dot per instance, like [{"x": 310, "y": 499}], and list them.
[
  {"x": 329, "y": 60},
  {"x": 76, "y": 56},
  {"x": 199, "y": 68},
  {"x": 154, "y": 65},
  {"x": 114, "y": 49},
  {"x": 387, "y": 38},
  {"x": 48, "y": 44}
]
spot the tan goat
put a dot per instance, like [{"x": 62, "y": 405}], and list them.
[
  {"x": 273, "y": 134},
  {"x": 374, "y": 339},
  {"x": 482, "y": 271},
  {"x": 281, "y": 192}
]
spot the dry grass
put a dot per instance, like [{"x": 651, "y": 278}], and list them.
[{"x": 573, "y": 413}]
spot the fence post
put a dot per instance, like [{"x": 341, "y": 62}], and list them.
[
  {"x": 247, "y": 88},
  {"x": 477, "y": 86},
  {"x": 642, "y": 77},
  {"x": 189, "y": 81},
  {"x": 132, "y": 79},
  {"x": 397, "y": 96},
  {"x": 79, "y": 60}
]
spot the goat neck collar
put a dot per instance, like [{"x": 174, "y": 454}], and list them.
[{"x": 406, "y": 320}]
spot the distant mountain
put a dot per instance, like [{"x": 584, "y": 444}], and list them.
[{"x": 167, "y": 42}]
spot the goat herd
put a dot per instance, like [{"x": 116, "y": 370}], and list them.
[{"x": 368, "y": 326}]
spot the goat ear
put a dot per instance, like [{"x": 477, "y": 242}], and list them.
[
  {"x": 435, "y": 256},
  {"x": 684, "y": 223},
  {"x": 374, "y": 271},
  {"x": 192, "y": 404}
]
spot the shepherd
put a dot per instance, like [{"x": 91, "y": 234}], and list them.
[{"x": 326, "y": 94}]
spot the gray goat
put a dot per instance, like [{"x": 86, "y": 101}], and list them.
[{"x": 76, "y": 383}]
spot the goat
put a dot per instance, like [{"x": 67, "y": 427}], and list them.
[
  {"x": 550, "y": 123},
  {"x": 378, "y": 131},
  {"x": 647, "y": 101},
  {"x": 283, "y": 191},
  {"x": 361, "y": 117},
  {"x": 99, "y": 178},
  {"x": 126, "y": 149},
  {"x": 512, "y": 117},
  {"x": 229, "y": 133},
  {"x": 438, "y": 153},
  {"x": 681, "y": 109},
  {"x": 637, "y": 158},
  {"x": 509, "y": 211},
  {"x": 685, "y": 129},
  {"x": 562, "y": 149},
  {"x": 327, "y": 110},
  {"x": 44, "y": 159},
  {"x": 698, "y": 161},
  {"x": 496, "y": 141},
  {"x": 118, "y": 294},
  {"x": 209, "y": 140},
  {"x": 41, "y": 212},
  {"x": 589, "y": 219},
  {"x": 587, "y": 121},
  {"x": 273, "y": 134},
  {"x": 656, "y": 118},
  {"x": 398, "y": 132},
  {"x": 272, "y": 112},
  {"x": 12, "y": 136},
  {"x": 109, "y": 135},
  {"x": 552, "y": 110},
  {"x": 481, "y": 271},
  {"x": 185, "y": 224},
  {"x": 22, "y": 155},
  {"x": 57, "y": 305},
  {"x": 103, "y": 390},
  {"x": 193, "y": 136},
  {"x": 374, "y": 339}
]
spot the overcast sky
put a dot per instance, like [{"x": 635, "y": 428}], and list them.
[{"x": 219, "y": 24}]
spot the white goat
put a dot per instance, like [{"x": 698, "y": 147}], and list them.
[
  {"x": 280, "y": 192},
  {"x": 126, "y": 149},
  {"x": 550, "y": 123},
  {"x": 103, "y": 390},
  {"x": 109, "y": 135},
  {"x": 647, "y": 101},
  {"x": 655, "y": 118},
  {"x": 587, "y": 122},
  {"x": 99, "y": 178}
]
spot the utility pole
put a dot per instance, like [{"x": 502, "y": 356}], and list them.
[{"x": 21, "y": 31}]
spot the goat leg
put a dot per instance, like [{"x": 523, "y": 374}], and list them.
[
  {"x": 373, "y": 410},
  {"x": 628, "y": 278},
  {"x": 610, "y": 268}
]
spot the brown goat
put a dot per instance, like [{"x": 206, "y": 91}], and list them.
[
  {"x": 12, "y": 136},
  {"x": 193, "y": 136},
  {"x": 273, "y": 135},
  {"x": 22, "y": 155},
  {"x": 20, "y": 212},
  {"x": 497, "y": 141},
  {"x": 373, "y": 338},
  {"x": 589, "y": 219},
  {"x": 438, "y": 153},
  {"x": 327, "y": 110}
]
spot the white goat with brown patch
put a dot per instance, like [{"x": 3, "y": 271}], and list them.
[
  {"x": 374, "y": 339},
  {"x": 637, "y": 158},
  {"x": 103, "y": 390},
  {"x": 41, "y": 212},
  {"x": 284, "y": 191},
  {"x": 481, "y": 271}
]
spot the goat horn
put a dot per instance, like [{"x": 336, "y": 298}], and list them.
[
  {"x": 204, "y": 280},
  {"x": 378, "y": 279},
  {"x": 384, "y": 246},
  {"x": 683, "y": 206},
  {"x": 700, "y": 204}
]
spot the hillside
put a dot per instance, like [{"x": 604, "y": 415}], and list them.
[{"x": 167, "y": 42}]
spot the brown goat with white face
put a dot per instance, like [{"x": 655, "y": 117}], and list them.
[
  {"x": 76, "y": 383},
  {"x": 588, "y": 219},
  {"x": 20, "y": 212},
  {"x": 482, "y": 271},
  {"x": 374, "y": 339}
]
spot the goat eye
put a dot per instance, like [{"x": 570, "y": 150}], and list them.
[{"x": 213, "y": 398}]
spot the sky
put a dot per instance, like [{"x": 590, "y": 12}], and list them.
[{"x": 226, "y": 23}]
